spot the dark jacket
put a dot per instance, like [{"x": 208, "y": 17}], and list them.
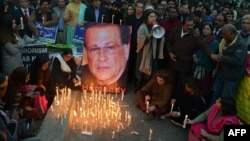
[
  {"x": 232, "y": 65},
  {"x": 184, "y": 48},
  {"x": 25, "y": 30},
  {"x": 90, "y": 15}
]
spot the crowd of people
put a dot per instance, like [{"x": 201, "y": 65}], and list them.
[{"x": 196, "y": 68}]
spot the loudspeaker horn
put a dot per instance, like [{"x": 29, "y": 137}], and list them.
[{"x": 158, "y": 31}]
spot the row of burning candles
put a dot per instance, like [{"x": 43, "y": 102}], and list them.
[
  {"x": 112, "y": 19},
  {"x": 92, "y": 110}
]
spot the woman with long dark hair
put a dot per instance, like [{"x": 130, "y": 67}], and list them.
[
  {"x": 11, "y": 44},
  {"x": 149, "y": 49}
]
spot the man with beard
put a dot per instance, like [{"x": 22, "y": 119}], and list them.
[
  {"x": 219, "y": 22},
  {"x": 181, "y": 44},
  {"x": 169, "y": 24},
  {"x": 43, "y": 15}
]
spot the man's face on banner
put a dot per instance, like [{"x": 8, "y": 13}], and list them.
[{"x": 107, "y": 56}]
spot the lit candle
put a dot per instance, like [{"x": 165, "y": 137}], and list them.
[
  {"x": 75, "y": 113},
  {"x": 185, "y": 121},
  {"x": 86, "y": 128},
  {"x": 147, "y": 106},
  {"x": 150, "y": 135},
  {"x": 120, "y": 22},
  {"x": 116, "y": 91},
  {"x": 122, "y": 95},
  {"x": 126, "y": 115},
  {"x": 105, "y": 89},
  {"x": 21, "y": 22},
  {"x": 78, "y": 106},
  {"x": 172, "y": 105},
  {"x": 81, "y": 112},
  {"x": 113, "y": 134},
  {"x": 122, "y": 125},
  {"x": 113, "y": 18},
  {"x": 43, "y": 19},
  {"x": 74, "y": 126},
  {"x": 118, "y": 128},
  {"x": 102, "y": 18}
]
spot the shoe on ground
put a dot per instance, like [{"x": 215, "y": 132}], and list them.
[{"x": 176, "y": 123}]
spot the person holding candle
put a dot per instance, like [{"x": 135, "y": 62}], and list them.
[
  {"x": 40, "y": 76},
  {"x": 23, "y": 11},
  {"x": 154, "y": 97},
  {"x": 115, "y": 13},
  {"x": 209, "y": 125},
  {"x": 6, "y": 120},
  {"x": 11, "y": 44},
  {"x": 107, "y": 48},
  {"x": 190, "y": 103},
  {"x": 97, "y": 13},
  {"x": 44, "y": 15},
  {"x": 19, "y": 96},
  {"x": 63, "y": 72}
]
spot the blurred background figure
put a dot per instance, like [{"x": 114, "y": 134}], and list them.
[
  {"x": 74, "y": 14},
  {"x": 11, "y": 44}
]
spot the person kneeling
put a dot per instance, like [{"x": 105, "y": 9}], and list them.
[{"x": 154, "y": 97}]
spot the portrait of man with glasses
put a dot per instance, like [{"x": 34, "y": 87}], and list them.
[{"x": 107, "y": 52}]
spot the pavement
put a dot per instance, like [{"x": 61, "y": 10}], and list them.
[{"x": 139, "y": 129}]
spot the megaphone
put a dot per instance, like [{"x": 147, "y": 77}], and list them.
[{"x": 158, "y": 31}]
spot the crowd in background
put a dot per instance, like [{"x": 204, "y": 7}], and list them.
[{"x": 201, "y": 58}]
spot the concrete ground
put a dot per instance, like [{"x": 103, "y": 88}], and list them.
[{"x": 138, "y": 130}]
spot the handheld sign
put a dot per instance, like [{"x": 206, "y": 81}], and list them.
[
  {"x": 47, "y": 34},
  {"x": 79, "y": 34}
]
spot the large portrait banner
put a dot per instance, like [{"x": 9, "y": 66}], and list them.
[{"x": 106, "y": 53}]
